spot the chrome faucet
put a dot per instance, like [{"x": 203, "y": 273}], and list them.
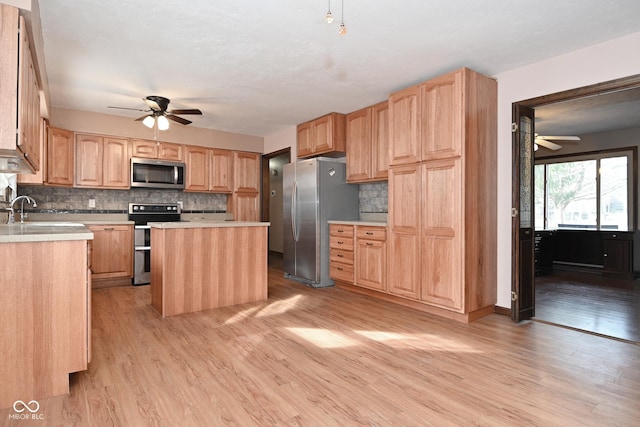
[{"x": 23, "y": 215}]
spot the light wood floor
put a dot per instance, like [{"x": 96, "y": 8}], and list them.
[
  {"x": 590, "y": 302},
  {"x": 327, "y": 357}
]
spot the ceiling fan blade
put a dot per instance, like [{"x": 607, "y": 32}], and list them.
[
  {"x": 139, "y": 119},
  {"x": 125, "y": 108},
  {"x": 152, "y": 104},
  {"x": 560, "y": 137},
  {"x": 178, "y": 119},
  {"x": 186, "y": 111},
  {"x": 547, "y": 144}
]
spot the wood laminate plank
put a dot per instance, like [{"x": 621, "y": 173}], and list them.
[{"x": 332, "y": 357}]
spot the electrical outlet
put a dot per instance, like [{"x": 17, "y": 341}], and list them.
[
  {"x": 180, "y": 204},
  {"x": 92, "y": 203}
]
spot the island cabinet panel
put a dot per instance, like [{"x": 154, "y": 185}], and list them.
[
  {"x": 218, "y": 266},
  {"x": 60, "y": 158},
  {"x": 45, "y": 318}
]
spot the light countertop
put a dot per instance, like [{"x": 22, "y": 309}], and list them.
[
  {"x": 43, "y": 232},
  {"x": 207, "y": 224},
  {"x": 370, "y": 223}
]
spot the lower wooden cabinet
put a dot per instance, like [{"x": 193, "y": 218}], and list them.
[
  {"x": 111, "y": 251},
  {"x": 341, "y": 252},
  {"x": 618, "y": 255}
]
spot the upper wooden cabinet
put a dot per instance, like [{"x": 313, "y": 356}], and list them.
[
  {"x": 156, "y": 150},
  {"x": 60, "y": 157},
  {"x": 40, "y": 176},
  {"x": 102, "y": 161},
  {"x": 247, "y": 172},
  {"x": 367, "y": 138},
  {"x": 324, "y": 135},
  {"x": 197, "y": 164},
  {"x": 221, "y": 171},
  {"x": 19, "y": 95},
  {"x": 405, "y": 126}
]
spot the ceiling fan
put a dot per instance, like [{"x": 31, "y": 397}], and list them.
[
  {"x": 158, "y": 113},
  {"x": 545, "y": 141}
]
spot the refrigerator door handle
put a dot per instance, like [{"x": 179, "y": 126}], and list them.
[{"x": 293, "y": 211}]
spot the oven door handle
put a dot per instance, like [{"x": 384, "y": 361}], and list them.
[
  {"x": 142, "y": 227},
  {"x": 142, "y": 248}
]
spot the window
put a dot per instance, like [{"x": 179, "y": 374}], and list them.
[{"x": 588, "y": 192}]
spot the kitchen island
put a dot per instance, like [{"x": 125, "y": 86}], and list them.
[
  {"x": 46, "y": 309},
  {"x": 203, "y": 265}
]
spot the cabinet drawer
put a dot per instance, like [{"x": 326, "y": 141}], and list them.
[
  {"x": 340, "y": 271},
  {"x": 339, "y": 255},
  {"x": 341, "y": 230},
  {"x": 371, "y": 233},
  {"x": 341, "y": 242}
]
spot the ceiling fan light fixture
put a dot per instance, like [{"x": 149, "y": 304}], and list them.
[
  {"x": 149, "y": 121},
  {"x": 163, "y": 123}
]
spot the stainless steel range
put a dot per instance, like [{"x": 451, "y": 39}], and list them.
[{"x": 141, "y": 214}]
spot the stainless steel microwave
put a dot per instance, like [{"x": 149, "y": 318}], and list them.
[{"x": 151, "y": 173}]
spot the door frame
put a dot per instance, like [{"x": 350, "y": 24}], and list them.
[
  {"x": 615, "y": 85},
  {"x": 266, "y": 180}
]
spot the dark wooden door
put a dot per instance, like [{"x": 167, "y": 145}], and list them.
[{"x": 523, "y": 273}]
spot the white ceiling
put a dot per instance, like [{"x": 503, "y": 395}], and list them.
[{"x": 257, "y": 67}]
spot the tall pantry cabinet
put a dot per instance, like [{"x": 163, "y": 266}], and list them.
[{"x": 442, "y": 194}]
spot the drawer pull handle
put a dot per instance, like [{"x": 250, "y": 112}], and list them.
[
  {"x": 340, "y": 242},
  {"x": 340, "y": 256},
  {"x": 339, "y": 268},
  {"x": 369, "y": 244},
  {"x": 340, "y": 230},
  {"x": 369, "y": 233}
]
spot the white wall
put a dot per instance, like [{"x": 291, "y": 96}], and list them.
[
  {"x": 599, "y": 63},
  {"x": 281, "y": 140}
]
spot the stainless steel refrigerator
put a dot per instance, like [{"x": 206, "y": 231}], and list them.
[{"x": 314, "y": 192}]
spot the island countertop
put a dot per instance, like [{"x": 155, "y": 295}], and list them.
[{"x": 207, "y": 224}]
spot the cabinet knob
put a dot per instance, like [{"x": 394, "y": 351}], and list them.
[
  {"x": 614, "y": 235},
  {"x": 605, "y": 254}
]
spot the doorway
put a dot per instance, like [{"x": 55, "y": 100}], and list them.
[
  {"x": 272, "y": 203},
  {"x": 524, "y": 292}
]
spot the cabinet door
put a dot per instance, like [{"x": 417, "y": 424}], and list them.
[
  {"x": 403, "y": 262},
  {"x": 247, "y": 172},
  {"x": 221, "y": 172},
  {"x": 40, "y": 176},
  {"x": 442, "y": 261},
  {"x": 60, "y": 157},
  {"x": 442, "y": 116},
  {"x": 380, "y": 141},
  {"x": 111, "y": 251},
  {"x": 169, "y": 151},
  {"x": 245, "y": 206},
  {"x": 371, "y": 259},
  {"x": 359, "y": 145},
  {"x": 88, "y": 160},
  {"x": 618, "y": 257},
  {"x": 197, "y": 164},
  {"x": 115, "y": 161},
  {"x": 322, "y": 131},
  {"x": 404, "y": 126},
  {"x": 144, "y": 148},
  {"x": 305, "y": 139},
  {"x": 28, "y": 103}
]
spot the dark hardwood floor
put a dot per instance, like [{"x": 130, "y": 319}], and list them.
[{"x": 590, "y": 302}]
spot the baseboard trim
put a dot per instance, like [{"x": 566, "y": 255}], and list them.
[{"x": 503, "y": 311}]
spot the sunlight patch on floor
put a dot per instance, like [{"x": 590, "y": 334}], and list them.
[
  {"x": 324, "y": 338},
  {"x": 419, "y": 341},
  {"x": 241, "y": 315},
  {"x": 280, "y": 307}
]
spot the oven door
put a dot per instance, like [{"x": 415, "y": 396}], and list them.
[{"x": 142, "y": 255}]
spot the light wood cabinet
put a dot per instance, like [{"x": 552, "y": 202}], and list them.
[
  {"x": 442, "y": 196},
  {"x": 111, "y": 251},
  {"x": 40, "y": 176},
  {"x": 371, "y": 257},
  {"x": 101, "y": 161},
  {"x": 156, "y": 150},
  {"x": 244, "y": 203},
  {"x": 197, "y": 161},
  {"x": 19, "y": 94},
  {"x": 405, "y": 126},
  {"x": 341, "y": 252},
  {"x": 60, "y": 158},
  {"x": 324, "y": 135},
  {"x": 367, "y": 143},
  {"x": 222, "y": 166}
]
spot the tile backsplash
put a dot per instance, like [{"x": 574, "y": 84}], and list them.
[
  {"x": 373, "y": 199},
  {"x": 58, "y": 199}
]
